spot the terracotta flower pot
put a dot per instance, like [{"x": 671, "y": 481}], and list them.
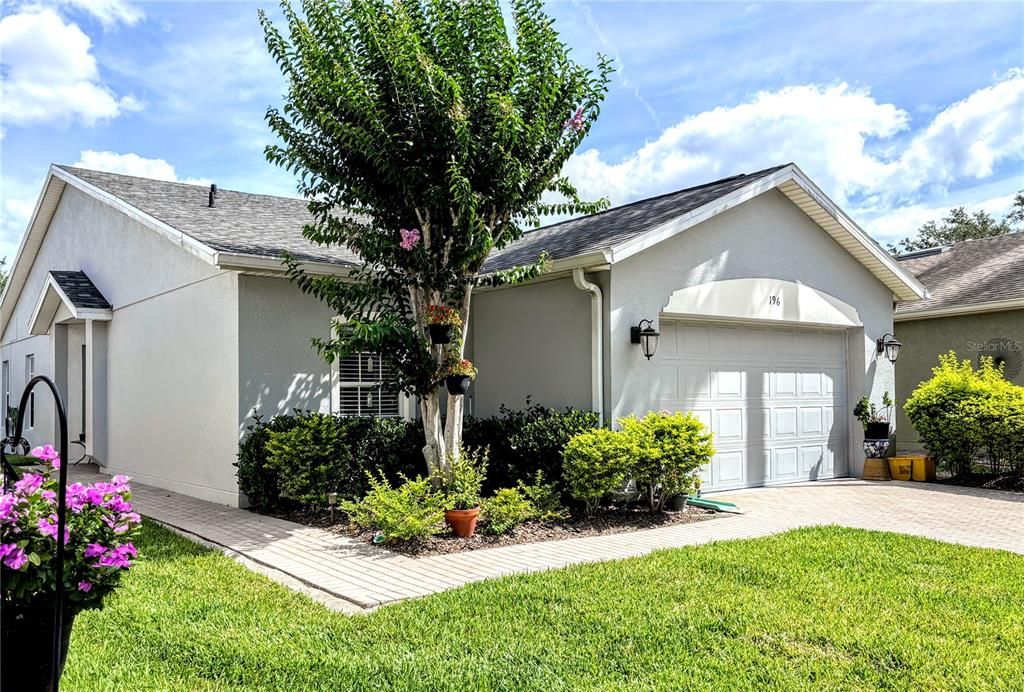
[
  {"x": 440, "y": 333},
  {"x": 462, "y": 521}
]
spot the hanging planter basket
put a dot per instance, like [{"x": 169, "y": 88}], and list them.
[
  {"x": 441, "y": 333},
  {"x": 457, "y": 385},
  {"x": 25, "y": 639}
]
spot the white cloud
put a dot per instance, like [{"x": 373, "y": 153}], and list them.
[
  {"x": 904, "y": 221},
  {"x": 50, "y": 74},
  {"x": 109, "y": 12},
  {"x": 133, "y": 164},
  {"x": 860, "y": 151}
]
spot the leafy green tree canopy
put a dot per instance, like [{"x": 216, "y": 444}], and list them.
[
  {"x": 425, "y": 134},
  {"x": 959, "y": 225}
]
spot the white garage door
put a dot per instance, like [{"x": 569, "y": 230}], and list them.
[{"x": 775, "y": 398}]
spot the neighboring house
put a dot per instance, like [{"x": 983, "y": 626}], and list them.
[
  {"x": 975, "y": 307},
  {"x": 166, "y": 319}
]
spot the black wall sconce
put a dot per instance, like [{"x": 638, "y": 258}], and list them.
[
  {"x": 890, "y": 347},
  {"x": 647, "y": 337}
]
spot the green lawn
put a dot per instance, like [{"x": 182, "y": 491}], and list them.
[{"x": 828, "y": 607}]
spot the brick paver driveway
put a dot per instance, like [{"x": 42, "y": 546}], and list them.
[{"x": 352, "y": 576}]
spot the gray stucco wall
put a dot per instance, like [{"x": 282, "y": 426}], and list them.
[
  {"x": 531, "y": 341},
  {"x": 172, "y": 349},
  {"x": 969, "y": 335},
  {"x": 278, "y": 369},
  {"x": 767, "y": 237}
]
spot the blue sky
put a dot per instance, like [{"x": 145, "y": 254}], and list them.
[{"x": 899, "y": 111}]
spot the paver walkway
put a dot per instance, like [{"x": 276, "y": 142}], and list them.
[{"x": 350, "y": 575}]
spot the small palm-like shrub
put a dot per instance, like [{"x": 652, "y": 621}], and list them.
[
  {"x": 412, "y": 510},
  {"x": 506, "y": 510},
  {"x": 462, "y": 481}
]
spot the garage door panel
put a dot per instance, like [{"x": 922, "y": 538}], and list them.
[
  {"x": 774, "y": 399},
  {"x": 785, "y": 423},
  {"x": 787, "y": 465},
  {"x": 729, "y": 467}
]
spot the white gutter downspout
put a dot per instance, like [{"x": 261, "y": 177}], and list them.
[{"x": 596, "y": 339}]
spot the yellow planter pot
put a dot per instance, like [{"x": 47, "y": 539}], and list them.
[
  {"x": 900, "y": 468},
  {"x": 923, "y": 469}
]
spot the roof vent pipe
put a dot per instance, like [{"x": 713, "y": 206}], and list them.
[{"x": 213, "y": 193}]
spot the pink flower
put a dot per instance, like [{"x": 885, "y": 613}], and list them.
[
  {"x": 576, "y": 122},
  {"x": 410, "y": 238},
  {"x": 28, "y": 484},
  {"x": 48, "y": 527},
  {"x": 8, "y": 505},
  {"x": 14, "y": 557},
  {"x": 120, "y": 482},
  {"x": 47, "y": 453},
  {"x": 85, "y": 586},
  {"x": 94, "y": 549}
]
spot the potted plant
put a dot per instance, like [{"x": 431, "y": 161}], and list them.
[
  {"x": 98, "y": 542},
  {"x": 875, "y": 422},
  {"x": 460, "y": 486},
  {"x": 457, "y": 375},
  {"x": 441, "y": 323}
]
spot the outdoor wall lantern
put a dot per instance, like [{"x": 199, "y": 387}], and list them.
[
  {"x": 647, "y": 337},
  {"x": 890, "y": 347}
]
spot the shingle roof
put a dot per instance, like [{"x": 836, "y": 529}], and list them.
[
  {"x": 969, "y": 273},
  {"x": 239, "y": 222},
  {"x": 617, "y": 225},
  {"x": 267, "y": 226},
  {"x": 80, "y": 290}
]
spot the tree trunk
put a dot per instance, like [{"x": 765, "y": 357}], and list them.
[{"x": 434, "y": 451}]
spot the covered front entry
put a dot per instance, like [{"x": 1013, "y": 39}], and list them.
[
  {"x": 774, "y": 397},
  {"x": 75, "y": 315}
]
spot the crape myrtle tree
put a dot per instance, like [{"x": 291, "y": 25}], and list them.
[{"x": 425, "y": 135}]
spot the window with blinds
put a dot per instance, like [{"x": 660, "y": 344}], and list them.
[{"x": 361, "y": 391}]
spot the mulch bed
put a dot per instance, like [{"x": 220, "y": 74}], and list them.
[
  {"x": 989, "y": 481},
  {"x": 605, "y": 523}
]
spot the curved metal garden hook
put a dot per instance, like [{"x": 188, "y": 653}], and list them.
[{"x": 62, "y": 420}]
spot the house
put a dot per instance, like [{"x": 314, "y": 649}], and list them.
[
  {"x": 162, "y": 312},
  {"x": 975, "y": 307}
]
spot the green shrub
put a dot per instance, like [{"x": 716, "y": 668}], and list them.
[
  {"x": 259, "y": 482},
  {"x": 506, "y": 510},
  {"x": 669, "y": 449},
  {"x": 412, "y": 510},
  {"x": 314, "y": 458},
  {"x": 522, "y": 443},
  {"x": 962, "y": 414},
  {"x": 462, "y": 482},
  {"x": 546, "y": 499},
  {"x": 597, "y": 463}
]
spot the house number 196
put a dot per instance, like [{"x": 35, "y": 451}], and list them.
[{"x": 775, "y": 300}]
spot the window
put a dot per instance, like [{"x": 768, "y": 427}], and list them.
[
  {"x": 30, "y": 371},
  {"x": 360, "y": 388}
]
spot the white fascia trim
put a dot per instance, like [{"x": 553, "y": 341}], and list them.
[
  {"x": 271, "y": 266},
  {"x": 186, "y": 242},
  {"x": 992, "y": 306},
  {"x": 862, "y": 237},
  {"x": 17, "y": 274},
  {"x": 748, "y": 192}
]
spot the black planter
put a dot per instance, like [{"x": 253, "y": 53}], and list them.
[
  {"x": 457, "y": 384},
  {"x": 441, "y": 333},
  {"x": 25, "y": 639},
  {"x": 876, "y": 431}
]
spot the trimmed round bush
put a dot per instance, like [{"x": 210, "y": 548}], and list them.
[
  {"x": 506, "y": 510},
  {"x": 670, "y": 448},
  {"x": 597, "y": 463}
]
